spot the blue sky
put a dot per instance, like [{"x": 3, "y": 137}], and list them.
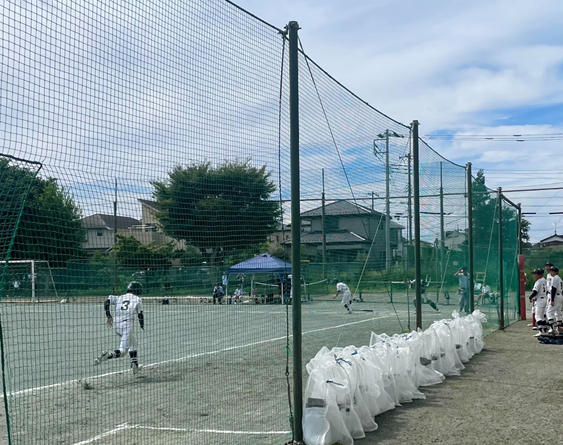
[
  {"x": 481, "y": 67},
  {"x": 102, "y": 90}
]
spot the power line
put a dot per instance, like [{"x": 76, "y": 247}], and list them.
[{"x": 535, "y": 137}]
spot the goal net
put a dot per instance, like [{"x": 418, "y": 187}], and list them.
[{"x": 29, "y": 281}]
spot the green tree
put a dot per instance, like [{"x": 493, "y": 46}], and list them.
[
  {"x": 131, "y": 254},
  {"x": 218, "y": 210},
  {"x": 50, "y": 228}
]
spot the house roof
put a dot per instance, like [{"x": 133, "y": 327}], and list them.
[
  {"x": 152, "y": 204},
  {"x": 346, "y": 208},
  {"x": 341, "y": 208},
  {"x": 100, "y": 220},
  {"x": 342, "y": 236},
  {"x": 553, "y": 239}
]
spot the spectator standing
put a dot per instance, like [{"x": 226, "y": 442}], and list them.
[{"x": 463, "y": 289}]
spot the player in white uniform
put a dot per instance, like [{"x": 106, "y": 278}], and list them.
[
  {"x": 539, "y": 300},
  {"x": 555, "y": 302},
  {"x": 238, "y": 295},
  {"x": 126, "y": 306},
  {"x": 341, "y": 288}
]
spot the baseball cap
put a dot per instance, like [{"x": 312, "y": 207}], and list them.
[
  {"x": 549, "y": 265},
  {"x": 555, "y": 269},
  {"x": 537, "y": 271}
]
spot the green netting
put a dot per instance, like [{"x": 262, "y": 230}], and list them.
[{"x": 163, "y": 130}]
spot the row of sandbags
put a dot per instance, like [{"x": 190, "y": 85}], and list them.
[{"x": 348, "y": 387}]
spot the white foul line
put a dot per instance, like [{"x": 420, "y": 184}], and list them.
[
  {"x": 126, "y": 426},
  {"x": 188, "y": 357},
  {"x": 117, "y": 429}
]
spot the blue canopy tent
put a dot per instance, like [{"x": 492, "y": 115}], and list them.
[{"x": 264, "y": 263}]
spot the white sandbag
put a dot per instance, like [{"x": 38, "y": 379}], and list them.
[
  {"x": 400, "y": 363},
  {"x": 379, "y": 346},
  {"x": 460, "y": 336},
  {"x": 477, "y": 320},
  {"x": 425, "y": 375},
  {"x": 323, "y": 423},
  {"x": 349, "y": 360},
  {"x": 449, "y": 363},
  {"x": 376, "y": 377}
]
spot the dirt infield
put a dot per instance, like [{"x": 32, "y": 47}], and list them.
[{"x": 497, "y": 399}]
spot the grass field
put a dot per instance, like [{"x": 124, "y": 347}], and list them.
[{"x": 211, "y": 374}]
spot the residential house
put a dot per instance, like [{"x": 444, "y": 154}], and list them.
[
  {"x": 454, "y": 240},
  {"x": 351, "y": 232},
  {"x": 149, "y": 230},
  {"x": 100, "y": 230},
  {"x": 553, "y": 242}
]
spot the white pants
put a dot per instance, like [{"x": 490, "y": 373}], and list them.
[
  {"x": 347, "y": 297},
  {"x": 554, "y": 312},
  {"x": 125, "y": 332},
  {"x": 540, "y": 308}
]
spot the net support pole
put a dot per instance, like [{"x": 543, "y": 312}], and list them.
[
  {"x": 442, "y": 234},
  {"x": 501, "y": 266},
  {"x": 293, "y": 29},
  {"x": 521, "y": 273},
  {"x": 470, "y": 237},
  {"x": 323, "y": 219},
  {"x": 416, "y": 199},
  {"x": 387, "y": 207},
  {"x": 33, "y": 295}
]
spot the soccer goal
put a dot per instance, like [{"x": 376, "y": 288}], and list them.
[{"x": 29, "y": 281}]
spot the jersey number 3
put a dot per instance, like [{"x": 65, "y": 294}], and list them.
[{"x": 125, "y": 305}]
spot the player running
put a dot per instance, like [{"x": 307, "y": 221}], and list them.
[
  {"x": 341, "y": 288},
  {"x": 126, "y": 306}
]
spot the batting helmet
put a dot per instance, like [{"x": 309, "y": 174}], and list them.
[
  {"x": 135, "y": 287},
  {"x": 335, "y": 281}
]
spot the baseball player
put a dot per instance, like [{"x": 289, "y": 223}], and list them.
[
  {"x": 539, "y": 299},
  {"x": 238, "y": 295},
  {"x": 126, "y": 306},
  {"x": 341, "y": 288},
  {"x": 463, "y": 289},
  {"x": 555, "y": 302}
]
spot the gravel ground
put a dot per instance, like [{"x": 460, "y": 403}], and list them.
[
  {"x": 495, "y": 400},
  {"x": 491, "y": 401}
]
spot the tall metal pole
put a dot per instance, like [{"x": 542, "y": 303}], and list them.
[
  {"x": 519, "y": 207},
  {"x": 323, "y": 226},
  {"x": 410, "y": 199},
  {"x": 416, "y": 186},
  {"x": 293, "y": 28},
  {"x": 387, "y": 207},
  {"x": 442, "y": 233},
  {"x": 115, "y": 274},
  {"x": 501, "y": 265},
  {"x": 470, "y": 236}
]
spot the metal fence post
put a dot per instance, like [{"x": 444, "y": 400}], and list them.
[
  {"x": 416, "y": 190},
  {"x": 501, "y": 265},
  {"x": 293, "y": 28},
  {"x": 470, "y": 237}
]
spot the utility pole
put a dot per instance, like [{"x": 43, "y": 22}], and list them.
[{"x": 385, "y": 135}]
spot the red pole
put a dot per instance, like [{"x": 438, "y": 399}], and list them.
[{"x": 523, "y": 289}]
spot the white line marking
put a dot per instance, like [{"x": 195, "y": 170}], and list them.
[
  {"x": 188, "y": 357},
  {"x": 116, "y": 430},
  {"x": 192, "y": 430}
]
